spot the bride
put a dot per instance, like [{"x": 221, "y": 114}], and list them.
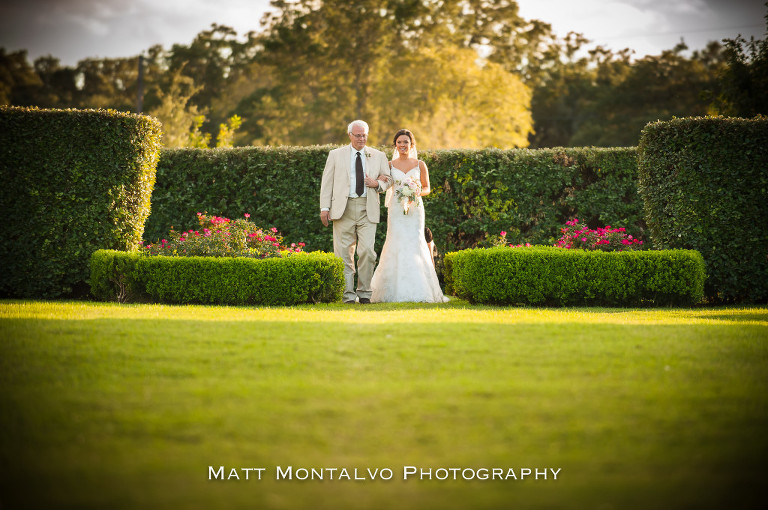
[{"x": 406, "y": 271}]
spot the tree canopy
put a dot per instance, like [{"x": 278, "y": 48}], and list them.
[{"x": 459, "y": 73}]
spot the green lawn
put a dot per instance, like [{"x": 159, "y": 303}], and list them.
[{"x": 110, "y": 406}]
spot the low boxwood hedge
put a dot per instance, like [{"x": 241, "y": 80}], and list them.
[
  {"x": 299, "y": 278},
  {"x": 544, "y": 275}
]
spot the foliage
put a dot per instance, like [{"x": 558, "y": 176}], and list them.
[
  {"x": 745, "y": 79},
  {"x": 276, "y": 185},
  {"x": 602, "y": 238},
  {"x": 226, "y": 136},
  {"x": 459, "y": 73},
  {"x": 605, "y": 98},
  {"x": 222, "y": 237},
  {"x": 301, "y": 278},
  {"x": 552, "y": 276},
  {"x": 462, "y": 104},
  {"x": 182, "y": 121},
  {"x": 18, "y": 79},
  {"x": 530, "y": 193},
  {"x": 440, "y": 91},
  {"x": 704, "y": 185},
  {"x": 74, "y": 181}
]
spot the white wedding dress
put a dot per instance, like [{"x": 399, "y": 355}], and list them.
[{"x": 405, "y": 272}]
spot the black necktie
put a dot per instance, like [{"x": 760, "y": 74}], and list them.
[{"x": 359, "y": 176}]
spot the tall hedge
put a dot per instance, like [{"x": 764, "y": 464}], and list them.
[
  {"x": 73, "y": 181},
  {"x": 527, "y": 193},
  {"x": 704, "y": 183}
]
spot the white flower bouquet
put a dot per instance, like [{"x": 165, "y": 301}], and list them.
[{"x": 408, "y": 192}]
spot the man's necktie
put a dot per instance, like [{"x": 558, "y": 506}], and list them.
[{"x": 359, "y": 176}]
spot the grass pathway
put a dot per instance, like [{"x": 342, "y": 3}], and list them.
[{"x": 110, "y": 406}]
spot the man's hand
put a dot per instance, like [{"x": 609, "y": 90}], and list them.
[
  {"x": 324, "y": 217},
  {"x": 371, "y": 182}
]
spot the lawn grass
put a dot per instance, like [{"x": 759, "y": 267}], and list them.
[{"x": 127, "y": 406}]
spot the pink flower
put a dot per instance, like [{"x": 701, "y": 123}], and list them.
[
  {"x": 247, "y": 215},
  {"x": 502, "y": 233},
  {"x": 273, "y": 229}
]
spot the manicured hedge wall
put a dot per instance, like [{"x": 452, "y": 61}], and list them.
[
  {"x": 299, "y": 278},
  {"x": 704, "y": 183},
  {"x": 556, "y": 276},
  {"x": 73, "y": 181},
  {"x": 527, "y": 193}
]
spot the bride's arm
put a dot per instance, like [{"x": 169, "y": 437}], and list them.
[{"x": 424, "y": 173}]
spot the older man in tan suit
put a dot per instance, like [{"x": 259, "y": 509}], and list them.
[{"x": 349, "y": 197}]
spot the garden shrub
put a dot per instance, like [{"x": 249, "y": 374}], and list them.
[
  {"x": 529, "y": 193},
  {"x": 289, "y": 280},
  {"x": 74, "y": 181},
  {"x": 546, "y": 275},
  {"x": 704, "y": 184},
  {"x": 223, "y": 237}
]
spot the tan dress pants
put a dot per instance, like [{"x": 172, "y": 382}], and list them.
[{"x": 354, "y": 231}]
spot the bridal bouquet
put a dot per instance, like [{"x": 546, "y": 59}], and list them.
[{"x": 407, "y": 192}]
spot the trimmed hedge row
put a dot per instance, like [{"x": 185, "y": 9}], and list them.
[
  {"x": 73, "y": 181},
  {"x": 527, "y": 193},
  {"x": 299, "y": 278},
  {"x": 556, "y": 276},
  {"x": 704, "y": 183}
]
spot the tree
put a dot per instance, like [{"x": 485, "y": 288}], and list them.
[
  {"x": 59, "y": 88},
  {"x": 330, "y": 62},
  {"x": 214, "y": 59},
  {"x": 450, "y": 100},
  {"x": 180, "y": 118},
  {"x": 107, "y": 83},
  {"x": 605, "y": 99},
  {"x": 18, "y": 81},
  {"x": 744, "y": 81}
]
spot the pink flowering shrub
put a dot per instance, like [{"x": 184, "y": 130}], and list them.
[
  {"x": 502, "y": 241},
  {"x": 223, "y": 237},
  {"x": 604, "y": 239}
]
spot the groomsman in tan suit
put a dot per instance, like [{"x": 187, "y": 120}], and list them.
[{"x": 349, "y": 197}]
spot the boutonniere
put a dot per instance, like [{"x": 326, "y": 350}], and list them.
[{"x": 367, "y": 154}]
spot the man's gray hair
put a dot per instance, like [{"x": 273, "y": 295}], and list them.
[{"x": 360, "y": 123}]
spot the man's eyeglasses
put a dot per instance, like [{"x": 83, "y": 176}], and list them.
[{"x": 359, "y": 136}]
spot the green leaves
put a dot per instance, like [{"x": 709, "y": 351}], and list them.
[
  {"x": 528, "y": 193},
  {"x": 299, "y": 278},
  {"x": 703, "y": 182},
  {"x": 74, "y": 181},
  {"x": 544, "y": 275}
]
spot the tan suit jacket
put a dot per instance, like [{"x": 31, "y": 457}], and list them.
[{"x": 334, "y": 187}]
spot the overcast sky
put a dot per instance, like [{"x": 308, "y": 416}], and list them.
[{"x": 72, "y": 30}]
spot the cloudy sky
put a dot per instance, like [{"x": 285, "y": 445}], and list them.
[{"x": 75, "y": 29}]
